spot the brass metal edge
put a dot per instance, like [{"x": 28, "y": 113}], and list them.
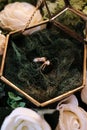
[
  {"x": 74, "y": 90},
  {"x": 60, "y": 97},
  {"x": 79, "y": 13},
  {"x": 59, "y": 13},
  {"x": 4, "y": 55},
  {"x": 84, "y": 65},
  {"x": 69, "y": 31},
  {"x": 31, "y": 98},
  {"x": 20, "y": 91}
]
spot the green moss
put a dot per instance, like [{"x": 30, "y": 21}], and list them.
[{"x": 63, "y": 74}]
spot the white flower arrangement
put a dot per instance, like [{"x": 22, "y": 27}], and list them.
[{"x": 71, "y": 117}]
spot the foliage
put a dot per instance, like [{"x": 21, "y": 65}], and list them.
[
  {"x": 68, "y": 18},
  {"x": 15, "y": 101},
  {"x": 72, "y": 21},
  {"x": 78, "y": 4},
  {"x": 54, "y": 7},
  {"x": 85, "y": 10}
]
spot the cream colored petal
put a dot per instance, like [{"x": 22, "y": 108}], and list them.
[
  {"x": 2, "y": 43},
  {"x": 24, "y": 118},
  {"x": 72, "y": 118},
  {"x": 84, "y": 92},
  {"x": 15, "y": 16},
  {"x": 68, "y": 100}
]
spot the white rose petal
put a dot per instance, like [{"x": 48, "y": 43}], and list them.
[
  {"x": 69, "y": 100},
  {"x": 71, "y": 117},
  {"x": 16, "y": 15},
  {"x": 2, "y": 43},
  {"x": 24, "y": 119},
  {"x": 84, "y": 92}
]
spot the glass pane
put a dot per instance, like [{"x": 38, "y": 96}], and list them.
[{"x": 60, "y": 71}]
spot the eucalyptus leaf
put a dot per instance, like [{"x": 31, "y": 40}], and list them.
[
  {"x": 12, "y": 96},
  {"x": 15, "y": 101},
  {"x": 16, "y": 104}
]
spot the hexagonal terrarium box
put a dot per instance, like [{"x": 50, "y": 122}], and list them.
[{"x": 47, "y": 65}]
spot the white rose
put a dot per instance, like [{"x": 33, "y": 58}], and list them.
[
  {"x": 2, "y": 43},
  {"x": 72, "y": 117},
  {"x": 24, "y": 119},
  {"x": 16, "y": 15}
]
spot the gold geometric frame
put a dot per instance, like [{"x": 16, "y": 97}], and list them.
[{"x": 65, "y": 29}]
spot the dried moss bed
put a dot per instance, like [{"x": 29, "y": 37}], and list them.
[{"x": 63, "y": 74}]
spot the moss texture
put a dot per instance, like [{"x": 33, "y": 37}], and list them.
[{"x": 64, "y": 72}]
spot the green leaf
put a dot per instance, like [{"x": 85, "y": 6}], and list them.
[
  {"x": 85, "y": 10},
  {"x": 17, "y": 104},
  {"x": 78, "y": 4},
  {"x": 22, "y": 104},
  {"x": 12, "y": 96},
  {"x": 15, "y": 101}
]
